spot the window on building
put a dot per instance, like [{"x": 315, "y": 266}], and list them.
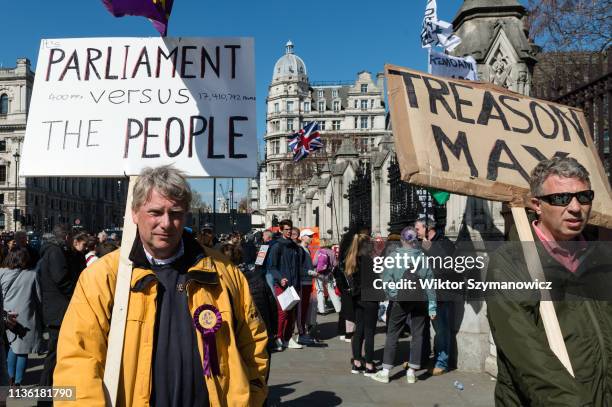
[
  {"x": 273, "y": 171},
  {"x": 275, "y": 147},
  {"x": 356, "y": 121},
  {"x": 4, "y": 104},
  {"x": 290, "y": 106},
  {"x": 289, "y": 124},
  {"x": 2, "y": 145},
  {"x": 356, "y": 102},
  {"x": 363, "y": 122},
  {"x": 321, "y": 105},
  {"x": 321, "y": 125},
  {"x": 335, "y": 124},
  {"x": 336, "y": 106},
  {"x": 372, "y": 122},
  {"x": 275, "y": 196},
  {"x": 289, "y": 196},
  {"x": 276, "y": 108},
  {"x": 321, "y": 93},
  {"x": 306, "y": 107},
  {"x": 1, "y": 199},
  {"x": 2, "y": 174},
  {"x": 364, "y": 104},
  {"x": 371, "y": 103},
  {"x": 2, "y": 221},
  {"x": 335, "y": 93},
  {"x": 364, "y": 88},
  {"x": 276, "y": 125},
  {"x": 335, "y": 145}
]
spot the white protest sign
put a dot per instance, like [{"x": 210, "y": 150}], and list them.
[
  {"x": 112, "y": 106},
  {"x": 452, "y": 67},
  {"x": 437, "y": 32},
  {"x": 261, "y": 255}
]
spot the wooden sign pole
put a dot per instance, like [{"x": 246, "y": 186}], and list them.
[
  {"x": 547, "y": 309},
  {"x": 114, "y": 352}
]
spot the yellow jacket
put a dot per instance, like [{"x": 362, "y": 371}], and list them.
[{"x": 241, "y": 340}]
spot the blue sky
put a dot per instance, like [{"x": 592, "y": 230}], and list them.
[{"x": 336, "y": 39}]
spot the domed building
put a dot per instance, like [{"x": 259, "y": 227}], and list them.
[
  {"x": 289, "y": 67},
  {"x": 349, "y": 113}
]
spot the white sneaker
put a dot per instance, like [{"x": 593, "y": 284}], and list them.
[
  {"x": 411, "y": 378},
  {"x": 381, "y": 376},
  {"x": 279, "y": 345},
  {"x": 293, "y": 344}
]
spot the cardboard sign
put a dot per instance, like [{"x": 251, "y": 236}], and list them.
[
  {"x": 112, "y": 106},
  {"x": 482, "y": 140}
]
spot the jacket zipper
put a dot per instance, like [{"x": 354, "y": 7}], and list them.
[{"x": 602, "y": 344}]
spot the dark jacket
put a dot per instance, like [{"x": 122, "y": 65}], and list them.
[
  {"x": 442, "y": 247},
  {"x": 286, "y": 261},
  {"x": 529, "y": 374},
  {"x": 263, "y": 297},
  {"x": 57, "y": 278},
  {"x": 362, "y": 277}
]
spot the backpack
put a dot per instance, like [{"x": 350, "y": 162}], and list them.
[{"x": 323, "y": 263}]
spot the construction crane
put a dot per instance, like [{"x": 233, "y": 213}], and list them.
[{"x": 225, "y": 196}]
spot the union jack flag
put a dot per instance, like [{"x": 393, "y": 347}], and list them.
[{"x": 305, "y": 141}]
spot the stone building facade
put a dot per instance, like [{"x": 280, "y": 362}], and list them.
[
  {"x": 42, "y": 203},
  {"x": 350, "y": 114}
]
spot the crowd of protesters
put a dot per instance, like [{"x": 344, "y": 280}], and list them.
[
  {"x": 329, "y": 279},
  {"x": 37, "y": 286}
]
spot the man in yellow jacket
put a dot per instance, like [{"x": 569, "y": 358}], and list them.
[{"x": 193, "y": 335}]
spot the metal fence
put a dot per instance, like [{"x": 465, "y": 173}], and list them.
[
  {"x": 360, "y": 197},
  {"x": 587, "y": 85}
]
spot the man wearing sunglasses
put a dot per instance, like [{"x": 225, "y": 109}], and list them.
[{"x": 580, "y": 272}]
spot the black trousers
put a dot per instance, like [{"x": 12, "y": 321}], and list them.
[
  {"x": 46, "y": 377},
  {"x": 366, "y": 315}
]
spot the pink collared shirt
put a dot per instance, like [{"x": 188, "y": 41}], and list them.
[{"x": 570, "y": 259}]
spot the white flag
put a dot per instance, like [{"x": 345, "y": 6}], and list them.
[
  {"x": 452, "y": 67},
  {"x": 437, "y": 33}
]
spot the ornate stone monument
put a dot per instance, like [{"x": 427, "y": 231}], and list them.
[{"x": 493, "y": 32}]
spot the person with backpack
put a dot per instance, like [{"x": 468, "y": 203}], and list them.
[
  {"x": 418, "y": 305},
  {"x": 325, "y": 261}
]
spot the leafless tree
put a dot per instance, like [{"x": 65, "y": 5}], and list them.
[
  {"x": 570, "y": 25},
  {"x": 298, "y": 174},
  {"x": 196, "y": 200}
]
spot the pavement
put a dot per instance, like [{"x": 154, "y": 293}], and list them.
[{"x": 320, "y": 376}]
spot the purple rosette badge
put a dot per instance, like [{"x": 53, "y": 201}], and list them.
[{"x": 207, "y": 319}]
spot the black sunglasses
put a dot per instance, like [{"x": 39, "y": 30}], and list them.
[{"x": 564, "y": 198}]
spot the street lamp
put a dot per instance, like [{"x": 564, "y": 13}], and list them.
[{"x": 16, "y": 156}]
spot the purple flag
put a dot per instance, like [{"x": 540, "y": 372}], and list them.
[{"x": 158, "y": 11}]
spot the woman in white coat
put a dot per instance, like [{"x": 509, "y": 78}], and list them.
[{"x": 21, "y": 294}]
